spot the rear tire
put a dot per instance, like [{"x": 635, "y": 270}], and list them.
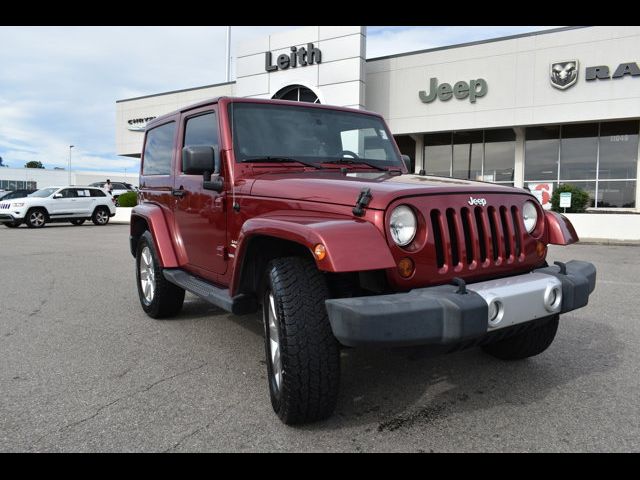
[
  {"x": 36, "y": 218},
  {"x": 303, "y": 356},
  {"x": 100, "y": 216},
  {"x": 78, "y": 222},
  {"x": 526, "y": 344},
  {"x": 159, "y": 298}
]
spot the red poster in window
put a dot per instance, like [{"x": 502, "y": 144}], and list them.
[{"x": 543, "y": 192}]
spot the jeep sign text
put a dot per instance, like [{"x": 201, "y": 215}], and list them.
[{"x": 461, "y": 90}]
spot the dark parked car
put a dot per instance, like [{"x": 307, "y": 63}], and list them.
[{"x": 15, "y": 194}]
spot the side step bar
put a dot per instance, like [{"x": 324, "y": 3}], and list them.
[{"x": 238, "y": 305}]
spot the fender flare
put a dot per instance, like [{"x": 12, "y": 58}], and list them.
[
  {"x": 351, "y": 244},
  {"x": 153, "y": 216},
  {"x": 559, "y": 229}
]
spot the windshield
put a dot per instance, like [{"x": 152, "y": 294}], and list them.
[
  {"x": 309, "y": 134},
  {"x": 44, "y": 192}
]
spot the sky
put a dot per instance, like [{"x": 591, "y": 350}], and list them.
[{"x": 59, "y": 85}]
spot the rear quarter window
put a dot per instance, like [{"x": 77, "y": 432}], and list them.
[{"x": 158, "y": 150}]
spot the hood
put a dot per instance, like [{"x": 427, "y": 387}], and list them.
[
  {"x": 12, "y": 200},
  {"x": 344, "y": 189}
]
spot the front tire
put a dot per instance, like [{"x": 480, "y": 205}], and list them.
[
  {"x": 303, "y": 356},
  {"x": 159, "y": 298},
  {"x": 100, "y": 216},
  {"x": 15, "y": 224},
  {"x": 36, "y": 218},
  {"x": 526, "y": 344}
]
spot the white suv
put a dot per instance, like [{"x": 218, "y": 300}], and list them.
[{"x": 58, "y": 204}]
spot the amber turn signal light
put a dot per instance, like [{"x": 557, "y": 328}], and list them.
[
  {"x": 540, "y": 249},
  {"x": 320, "y": 251},
  {"x": 406, "y": 267}
]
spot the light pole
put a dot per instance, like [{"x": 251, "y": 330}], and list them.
[{"x": 70, "y": 147}]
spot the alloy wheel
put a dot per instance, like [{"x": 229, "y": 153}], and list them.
[
  {"x": 147, "y": 274},
  {"x": 274, "y": 342}
]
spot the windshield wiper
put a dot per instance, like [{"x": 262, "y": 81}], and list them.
[
  {"x": 267, "y": 159},
  {"x": 347, "y": 161}
]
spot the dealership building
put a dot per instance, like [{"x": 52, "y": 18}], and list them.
[{"x": 536, "y": 110}]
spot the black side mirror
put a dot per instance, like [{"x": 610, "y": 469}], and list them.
[
  {"x": 203, "y": 160},
  {"x": 407, "y": 162},
  {"x": 198, "y": 159}
]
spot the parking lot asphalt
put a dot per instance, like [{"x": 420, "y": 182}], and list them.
[{"x": 83, "y": 369}]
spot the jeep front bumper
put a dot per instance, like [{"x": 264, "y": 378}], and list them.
[{"x": 443, "y": 315}]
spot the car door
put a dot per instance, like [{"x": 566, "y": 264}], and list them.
[
  {"x": 63, "y": 203},
  {"x": 84, "y": 203},
  {"x": 198, "y": 213}
]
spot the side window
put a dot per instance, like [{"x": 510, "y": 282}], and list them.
[
  {"x": 158, "y": 150},
  {"x": 82, "y": 192},
  {"x": 201, "y": 130},
  {"x": 69, "y": 193},
  {"x": 97, "y": 193}
]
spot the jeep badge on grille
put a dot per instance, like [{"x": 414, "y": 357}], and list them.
[{"x": 477, "y": 201}]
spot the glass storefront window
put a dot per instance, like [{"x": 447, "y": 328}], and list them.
[
  {"x": 618, "y": 150},
  {"x": 605, "y": 154},
  {"x": 589, "y": 187},
  {"x": 467, "y": 155},
  {"x": 437, "y": 154},
  {"x": 541, "y": 153},
  {"x": 621, "y": 194},
  {"x": 461, "y": 155},
  {"x": 499, "y": 155},
  {"x": 579, "y": 151}
]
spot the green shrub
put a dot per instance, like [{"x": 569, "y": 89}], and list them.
[
  {"x": 129, "y": 199},
  {"x": 579, "y": 199}
]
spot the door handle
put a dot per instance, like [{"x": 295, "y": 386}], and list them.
[{"x": 178, "y": 192}]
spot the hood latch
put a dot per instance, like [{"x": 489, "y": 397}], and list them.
[{"x": 363, "y": 200}]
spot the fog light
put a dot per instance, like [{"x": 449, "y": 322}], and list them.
[
  {"x": 496, "y": 312},
  {"x": 320, "y": 251},
  {"x": 406, "y": 267},
  {"x": 552, "y": 299}
]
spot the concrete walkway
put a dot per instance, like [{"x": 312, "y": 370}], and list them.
[{"x": 123, "y": 215}]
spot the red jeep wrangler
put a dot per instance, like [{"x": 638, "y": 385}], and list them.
[{"x": 309, "y": 211}]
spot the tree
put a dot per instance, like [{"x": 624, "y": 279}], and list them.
[
  {"x": 3, "y": 164},
  {"x": 34, "y": 164}
]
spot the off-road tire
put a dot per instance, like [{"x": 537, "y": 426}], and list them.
[
  {"x": 167, "y": 298},
  {"x": 98, "y": 217},
  {"x": 309, "y": 353},
  {"x": 526, "y": 344},
  {"x": 77, "y": 221},
  {"x": 35, "y": 216}
]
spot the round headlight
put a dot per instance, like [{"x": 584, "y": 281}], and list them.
[
  {"x": 529, "y": 215},
  {"x": 403, "y": 225}
]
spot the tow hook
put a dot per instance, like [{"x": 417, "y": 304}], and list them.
[
  {"x": 563, "y": 267},
  {"x": 462, "y": 285}
]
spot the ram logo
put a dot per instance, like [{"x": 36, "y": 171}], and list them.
[
  {"x": 477, "y": 201},
  {"x": 564, "y": 74}
]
